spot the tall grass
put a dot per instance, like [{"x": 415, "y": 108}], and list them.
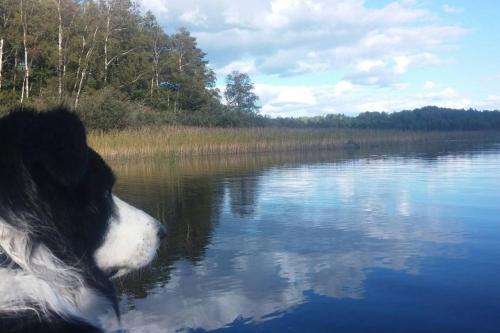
[{"x": 178, "y": 141}]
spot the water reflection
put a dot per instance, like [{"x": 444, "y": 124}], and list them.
[{"x": 250, "y": 238}]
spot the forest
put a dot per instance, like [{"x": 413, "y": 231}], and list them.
[
  {"x": 117, "y": 68},
  {"x": 429, "y": 118}
]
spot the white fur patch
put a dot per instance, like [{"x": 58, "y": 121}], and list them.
[
  {"x": 43, "y": 280},
  {"x": 131, "y": 241}
]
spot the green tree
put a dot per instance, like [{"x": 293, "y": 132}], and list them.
[
  {"x": 188, "y": 68},
  {"x": 240, "y": 94}
]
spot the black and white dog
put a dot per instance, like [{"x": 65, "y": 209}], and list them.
[{"x": 63, "y": 234}]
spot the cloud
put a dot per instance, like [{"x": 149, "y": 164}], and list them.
[
  {"x": 350, "y": 98},
  {"x": 389, "y": 71},
  {"x": 369, "y": 65},
  {"x": 341, "y": 88},
  {"x": 444, "y": 93},
  {"x": 285, "y": 100},
  {"x": 492, "y": 102},
  {"x": 294, "y": 37},
  {"x": 245, "y": 66},
  {"x": 429, "y": 85},
  {"x": 401, "y": 63},
  {"x": 159, "y": 7},
  {"x": 194, "y": 17},
  {"x": 452, "y": 10}
]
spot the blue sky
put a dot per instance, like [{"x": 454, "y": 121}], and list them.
[{"x": 313, "y": 57}]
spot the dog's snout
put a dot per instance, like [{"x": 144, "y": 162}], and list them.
[{"x": 162, "y": 231}]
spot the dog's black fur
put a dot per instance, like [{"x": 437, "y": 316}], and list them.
[{"x": 58, "y": 190}]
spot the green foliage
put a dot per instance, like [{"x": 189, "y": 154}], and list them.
[
  {"x": 239, "y": 93},
  {"x": 106, "y": 109}
]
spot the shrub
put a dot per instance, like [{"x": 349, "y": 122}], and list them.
[{"x": 106, "y": 109}]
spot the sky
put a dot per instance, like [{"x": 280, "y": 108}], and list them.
[{"x": 316, "y": 57}]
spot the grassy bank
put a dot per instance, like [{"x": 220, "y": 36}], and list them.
[{"x": 195, "y": 141}]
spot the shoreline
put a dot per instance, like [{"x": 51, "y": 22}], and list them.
[{"x": 181, "y": 142}]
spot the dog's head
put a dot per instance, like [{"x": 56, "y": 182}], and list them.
[{"x": 56, "y": 200}]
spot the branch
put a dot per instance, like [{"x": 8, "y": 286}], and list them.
[
  {"x": 120, "y": 55},
  {"x": 134, "y": 80}
]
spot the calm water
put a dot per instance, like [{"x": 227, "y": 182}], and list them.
[{"x": 395, "y": 240}]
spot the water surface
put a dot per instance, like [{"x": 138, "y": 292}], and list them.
[{"x": 403, "y": 239}]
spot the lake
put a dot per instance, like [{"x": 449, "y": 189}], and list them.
[{"x": 393, "y": 239}]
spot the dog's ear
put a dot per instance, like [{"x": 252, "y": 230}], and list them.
[{"x": 55, "y": 140}]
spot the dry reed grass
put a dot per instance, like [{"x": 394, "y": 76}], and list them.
[{"x": 177, "y": 141}]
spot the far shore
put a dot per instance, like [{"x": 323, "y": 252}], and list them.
[{"x": 177, "y": 141}]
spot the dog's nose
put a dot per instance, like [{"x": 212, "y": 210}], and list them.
[{"x": 162, "y": 231}]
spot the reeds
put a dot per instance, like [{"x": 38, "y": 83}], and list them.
[{"x": 174, "y": 141}]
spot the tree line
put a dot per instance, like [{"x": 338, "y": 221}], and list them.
[{"x": 428, "y": 118}]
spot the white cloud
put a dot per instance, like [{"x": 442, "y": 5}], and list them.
[
  {"x": 293, "y": 37},
  {"x": 402, "y": 63},
  {"x": 245, "y": 66},
  {"x": 452, "y": 9},
  {"x": 492, "y": 102},
  {"x": 159, "y": 7},
  {"x": 281, "y": 100},
  {"x": 386, "y": 72},
  {"x": 194, "y": 17},
  {"x": 369, "y": 65},
  {"x": 429, "y": 85},
  {"x": 349, "y": 98},
  {"x": 449, "y": 93},
  {"x": 341, "y": 88}
]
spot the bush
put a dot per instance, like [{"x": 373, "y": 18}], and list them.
[{"x": 106, "y": 110}]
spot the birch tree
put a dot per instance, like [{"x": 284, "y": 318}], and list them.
[
  {"x": 25, "y": 11},
  {"x": 117, "y": 24},
  {"x": 6, "y": 12},
  {"x": 59, "y": 48},
  {"x": 157, "y": 47},
  {"x": 88, "y": 37}
]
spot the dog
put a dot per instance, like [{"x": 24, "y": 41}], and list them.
[{"x": 63, "y": 234}]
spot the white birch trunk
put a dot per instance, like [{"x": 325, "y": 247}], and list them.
[
  {"x": 84, "y": 68},
  {"x": 1, "y": 61},
  {"x": 14, "y": 79},
  {"x": 106, "y": 38},
  {"x": 26, "y": 78},
  {"x": 152, "y": 82},
  {"x": 59, "y": 51},
  {"x": 78, "y": 70},
  {"x": 26, "y": 66},
  {"x": 154, "y": 72},
  {"x": 5, "y": 23}
]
